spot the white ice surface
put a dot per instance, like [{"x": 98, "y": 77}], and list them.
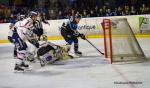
[{"x": 93, "y": 71}]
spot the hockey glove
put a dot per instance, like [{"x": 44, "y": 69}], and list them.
[
  {"x": 82, "y": 36},
  {"x": 10, "y": 39}
]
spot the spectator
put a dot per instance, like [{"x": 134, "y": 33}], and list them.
[
  {"x": 133, "y": 11},
  {"x": 66, "y": 14},
  {"x": 7, "y": 12},
  {"x": 143, "y": 9},
  {"x": 1, "y": 15},
  {"x": 120, "y": 11},
  {"x": 46, "y": 9},
  {"x": 84, "y": 14},
  {"x": 52, "y": 14},
  {"x": 101, "y": 12},
  {"x": 126, "y": 10},
  {"x": 96, "y": 10},
  {"x": 67, "y": 8},
  {"x": 92, "y": 14},
  {"x": 72, "y": 3},
  {"x": 104, "y": 9},
  {"x": 60, "y": 15},
  {"x": 108, "y": 12},
  {"x": 72, "y": 12},
  {"x": 114, "y": 13},
  {"x": 147, "y": 10}
]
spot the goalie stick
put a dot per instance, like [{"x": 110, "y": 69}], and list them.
[{"x": 94, "y": 46}]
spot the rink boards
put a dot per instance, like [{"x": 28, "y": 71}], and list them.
[{"x": 91, "y": 27}]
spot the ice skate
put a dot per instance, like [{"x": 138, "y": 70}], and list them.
[
  {"x": 24, "y": 65},
  {"x": 18, "y": 68},
  {"x": 78, "y": 53}
]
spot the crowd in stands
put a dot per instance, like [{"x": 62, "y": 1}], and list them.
[{"x": 58, "y": 9}]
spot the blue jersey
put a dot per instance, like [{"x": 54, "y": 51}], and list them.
[
  {"x": 69, "y": 31},
  {"x": 72, "y": 25},
  {"x": 13, "y": 21}
]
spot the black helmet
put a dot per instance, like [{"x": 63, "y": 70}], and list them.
[{"x": 78, "y": 16}]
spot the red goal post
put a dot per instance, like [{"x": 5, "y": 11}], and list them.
[
  {"x": 120, "y": 43},
  {"x": 106, "y": 28}
]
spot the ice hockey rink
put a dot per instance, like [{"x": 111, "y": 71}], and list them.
[{"x": 90, "y": 71}]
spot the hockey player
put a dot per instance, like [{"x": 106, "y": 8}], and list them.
[
  {"x": 16, "y": 18},
  {"x": 70, "y": 33},
  {"x": 20, "y": 37},
  {"x": 10, "y": 33},
  {"x": 38, "y": 26}
]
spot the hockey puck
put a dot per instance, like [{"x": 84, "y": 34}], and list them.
[{"x": 121, "y": 57}]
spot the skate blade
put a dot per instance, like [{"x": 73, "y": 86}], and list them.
[
  {"x": 79, "y": 55},
  {"x": 23, "y": 71},
  {"x": 75, "y": 55},
  {"x": 18, "y": 71}
]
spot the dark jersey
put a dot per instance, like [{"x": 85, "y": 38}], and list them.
[
  {"x": 71, "y": 25},
  {"x": 38, "y": 22}
]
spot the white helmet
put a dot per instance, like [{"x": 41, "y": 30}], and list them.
[{"x": 32, "y": 13}]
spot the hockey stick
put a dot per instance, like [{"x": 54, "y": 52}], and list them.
[
  {"x": 94, "y": 46},
  {"x": 90, "y": 43}
]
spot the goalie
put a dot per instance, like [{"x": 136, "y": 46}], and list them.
[{"x": 49, "y": 53}]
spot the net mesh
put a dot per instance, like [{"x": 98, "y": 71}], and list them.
[{"x": 125, "y": 46}]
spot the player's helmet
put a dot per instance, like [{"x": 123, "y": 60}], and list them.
[
  {"x": 78, "y": 16},
  {"x": 22, "y": 17},
  {"x": 32, "y": 13}
]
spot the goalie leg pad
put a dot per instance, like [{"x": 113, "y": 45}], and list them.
[
  {"x": 47, "y": 58},
  {"x": 65, "y": 52}
]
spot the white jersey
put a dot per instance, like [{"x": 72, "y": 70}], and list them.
[
  {"x": 10, "y": 32},
  {"x": 25, "y": 28},
  {"x": 27, "y": 23},
  {"x": 11, "y": 29}
]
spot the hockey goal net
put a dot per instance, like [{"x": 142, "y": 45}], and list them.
[{"x": 120, "y": 43}]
